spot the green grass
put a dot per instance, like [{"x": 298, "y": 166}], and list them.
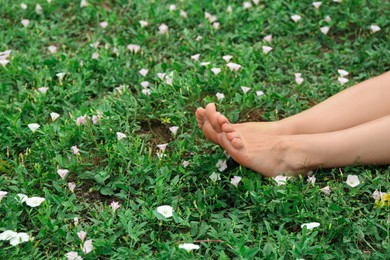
[{"x": 258, "y": 219}]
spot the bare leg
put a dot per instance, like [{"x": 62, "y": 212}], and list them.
[{"x": 368, "y": 143}]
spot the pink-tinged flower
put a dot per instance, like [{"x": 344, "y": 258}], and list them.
[
  {"x": 163, "y": 29},
  {"x": 83, "y": 3},
  {"x": 75, "y": 149},
  {"x": 216, "y": 71},
  {"x": 189, "y": 246},
  {"x": 73, "y": 256},
  {"x": 114, "y": 206},
  {"x": 169, "y": 81},
  {"x": 134, "y": 48},
  {"x": 82, "y": 235},
  {"x": 235, "y": 180},
  {"x": 71, "y": 186},
  {"x": 216, "y": 25},
  {"x": 165, "y": 210},
  {"x": 317, "y": 4},
  {"x": 299, "y": 80},
  {"x": 162, "y": 147},
  {"x": 52, "y": 49},
  {"x": 104, "y": 24},
  {"x": 146, "y": 91},
  {"x": 161, "y": 75},
  {"x": 183, "y": 14},
  {"x": 81, "y": 120},
  {"x": 95, "y": 56},
  {"x": 374, "y": 28},
  {"x": 342, "y": 73},
  {"x": 267, "y": 49},
  {"x": 144, "y": 84},
  {"x": 353, "y": 180},
  {"x": 120, "y": 135},
  {"x": 198, "y": 38},
  {"x": 311, "y": 179},
  {"x": 342, "y": 80},
  {"x": 60, "y": 76},
  {"x": 34, "y": 201},
  {"x": 311, "y": 225},
  {"x": 144, "y": 72},
  {"x": 247, "y": 5},
  {"x": 215, "y": 177},
  {"x": 95, "y": 120},
  {"x": 25, "y": 22},
  {"x": 21, "y": 197},
  {"x": 327, "y": 19},
  {"x": 88, "y": 247},
  {"x": 5, "y": 54},
  {"x": 268, "y": 38},
  {"x": 143, "y": 23},
  {"x": 245, "y": 89},
  {"x": 281, "y": 180},
  {"x": 54, "y": 116},
  {"x": 33, "y": 127},
  {"x": 4, "y": 62},
  {"x": 23, "y": 6},
  {"x": 195, "y": 57},
  {"x": 172, "y": 8},
  {"x": 2, "y": 194},
  {"x": 296, "y": 17},
  {"x": 259, "y": 93},
  {"x": 76, "y": 221},
  {"x": 210, "y": 17},
  {"x": 325, "y": 29},
  {"x": 38, "y": 9},
  {"x": 233, "y": 66},
  {"x": 256, "y": 2},
  {"x": 326, "y": 190},
  {"x": 227, "y": 58},
  {"x": 204, "y": 63},
  {"x": 229, "y": 9},
  {"x": 174, "y": 129},
  {"x": 62, "y": 172},
  {"x": 377, "y": 195},
  {"x": 220, "y": 96},
  {"x": 221, "y": 165}
]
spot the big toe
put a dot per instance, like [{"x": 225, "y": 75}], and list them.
[
  {"x": 200, "y": 116},
  {"x": 212, "y": 116}
]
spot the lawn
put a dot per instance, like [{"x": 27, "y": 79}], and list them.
[{"x": 97, "y": 129}]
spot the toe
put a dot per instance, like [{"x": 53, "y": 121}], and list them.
[
  {"x": 209, "y": 132},
  {"x": 230, "y": 136},
  {"x": 212, "y": 116},
  {"x": 223, "y": 120},
  {"x": 237, "y": 143},
  {"x": 228, "y": 128}
]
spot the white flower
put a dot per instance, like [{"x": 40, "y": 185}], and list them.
[
  {"x": 38, "y": 9},
  {"x": 4, "y": 62},
  {"x": 377, "y": 195},
  {"x": 220, "y": 96},
  {"x": 161, "y": 75},
  {"x": 183, "y": 14},
  {"x": 134, "y": 48},
  {"x": 227, "y": 58},
  {"x": 204, "y": 63},
  {"x": 325, "y": 29},
  {"x": 327, "y": 19},
  {"x": 143, "y": 23},
  {"x": 144, "y": 84},
  {"x": 146, "y": 91},
  {"x": 317, "y": 4},
  {"x": 81, "y": 120},
  {"x": 229, "y": 9},
  {"x": 2, "y": 194},
  {"x": 188, "y": 246},
  {"x": 259, "y": 93},
  {"x": 82, "y": 235},
  {"x": 114, "y": 205},
  {"x": 87, "y": 247},
  {"x": 216, "y": 25},
  {"x": 267, "y": 49},
  {"x": 185, "y": 164},
  {"x": 235, "y": 180},
  {"x": 210, "y": 17},
  {"x": 311, "y": 179},
  {"x": 22, "y": 197},
  {"x": 374, "y": 28},
  {"x": 245, "y": 89},
  {"x": 25, "y": 22},
  {"x": 233, "y": 66},
  {"x": 247, "y": 5},
  {"x": 353, "y": 180},
  {"x": 62, "y": 173},
  {"x": 7, "y": 235},
  {"x": 19, "y": 238},
  {"x": 198, "y": 38},
  {"x": 342, "y": 80},
  {"x": 95, "y": 56},
  {"x": 215, "y": 176},
  {"x": 162, "y": 147},
  {"x": 73, "y": 256},
  {"x": 60, "y": 75},
  {"x": 174, "y": 129},
  {"x": 54, "y": 116},
  {"x": 33, "y": 127},
  {"x": 216, "y": 71},
  {"x": 296, "y": 17},
  {"x": 281, "y": 180},
  {"x": 172, "y": 8},
  {"x": 165, "y": 210},
  {"x": 104, "y": 24},
  {"x": 310, "y": 225},
  {"x": 299, "y": 80},
  {"x": 256, "y": 1},
  {"x": 195, "y": 57},
  {"x": 144, "y": 72},
  {"x": 23, "y": 6},
  {"x": 221, "y": 165},
  {"x": 169, "y": 81},
  {"x": 34, "y": 201},
  {"x": 326, "y": 190},
  {"x": 52, "y": 49},
  {"x": 76, "y": 221},
  {"x": 163, "y": 29},
  {"x": 268, "y": 38},
  {"x": 337, "y": 1},
  {"x": 71, "y": 186},
  {"x": 75, "y": 149},
  {"x": 83, "y": 3},
  {"x": 120, "y": 135},
  {"x": 342, "y": 73}
]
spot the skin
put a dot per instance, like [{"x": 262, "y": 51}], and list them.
[{"x": 350, "y": 127}]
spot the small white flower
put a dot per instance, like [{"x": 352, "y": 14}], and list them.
[
  {"x": 19, "y": 238},
  {"x": 342, "y": 73},
  {"x": 216, "y": 71},
  {"x": 342, "y": 80},
  {"x": 71, "y": 186},
  {"x": 2, "y": 194},
  {"x": 220, "y": 96},
  {"x": 54, "y": 116},
  {"x": 174, "y": 129},
  {"x": 146, "y": 91},
  {"x": 33, "y": 127},
  {"x": 120, "y": 135},
  {"x": 299, "y": 80},
  {"x": 73, "y": 256},
  {"x": 198, "y": 38},
  {"x": 195, "y": 57},
  {"x": 256, "y": 1},
  {"x": 75, "y": 149},
  {"x": 216, "y": 25},
  {"x": 165, "y": 210},
  {"x": 268, "y": 38},
  {"x": 326, "y": 190},
  {"x": 38, "y": 9},
  {"x": 21, "y": 197},
  {"x": 227, "y": 58},
  {"x": 259, "y": 93},
  {"x": 25, "y": 22},
  {"x": 23, "y": 6},
  {"x": 229, "y": 9},
  {"x": 183, "y": 14},
  {"x": 161, "y": 75},
  {"x": 82, "y": 235},
  {"x": 245, "y": 89},
  {"x": 311, "y": 225},
  {"x": 114, "y": 206},
  {"x": 185, "y": 164},
  {"x": 133, "y": 48},
  {"x": 374, "y": 28},
  {"x": 163, "y": 29},
  {"x": 104, "y": 24},
  {"x": 267, "y": 49},
  {"x": 76, "y": 221},
  {"x": 52, "y": 49},
  {"x": 235, "y": 180},
  {"x": 337, "y": 1},
  {"x": 281, "y": 180},
  {"x": 353, "y": 180},
  {"x": 62, "y": 173},
  {"x": 377, "y": 195},
  {"x": 60, "y": 75},
  {"x": 4, "y": 62},
  {"x": 144, "y": 84},
  {"x": 83, "y": 3},
  {"x": 172, "y": 8},
  {"x": 34, "y": 201},
  {"x": 143, "y": 23},
  {"x": 327, "y": 19},
  {"x": 296, "y": 17},
  {"x": 87, "y": 247},
  {"x": 215, "y": 176},
  {"x": 95, "y": 56},
  {"x": 210, "y": 17},
  {"x": 204, "y": 63},
  {"x": 188, "y": 246},
  {"x": 81, "y": 120},
  {"x": 311, "y": 179},
  {"x": 221, "y": 165},
  {"x": 7, "y": 235},
  {"x": 317, "y": 4},
  {"x": 233, "y": 66},
  {"x": 162, "y": 147},
  {"x": 325, "y": 29},
  {"x": 247, "y": 5},
  {"x": 144, "y": 72},
  {"x": 169, "y": 81}
]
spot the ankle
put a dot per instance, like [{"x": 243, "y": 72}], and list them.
[
  {"x": 282, "y": 127},
  {"x": 297, "y": 156}
]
